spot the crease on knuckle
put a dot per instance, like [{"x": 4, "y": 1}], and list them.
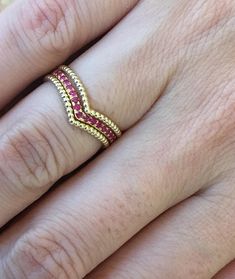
[
  {"x": 46, "y": 252},
  {"x": 29, "y": 157},
  {"x": 207, "y": 17},
  {"x": 50, "y": 24},
  {"x": 82, "y": 243},
  {"x": 220, "y": 201},
  {"x": 212, "y": 122},
  {"x": 7, "y": 272},
  {"x": 32, "y": 259},
  {"x": 220, "y": 112},
  {"x": 201, "y": 23}
]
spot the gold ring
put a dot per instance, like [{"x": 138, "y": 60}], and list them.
[{"x": 78, "y": 109}]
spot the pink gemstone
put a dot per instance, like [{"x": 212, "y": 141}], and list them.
[
  {"x": 79, "y": 114},
  {"x": 70, "y": 87},
  {"x": 85, "y": 118},
  {"x": 74, "y": 99},
  {"x": 92, "y": 121},
  {"x": 67, "y": 82},
  {"x": 99, "y": 124},
  {"x": 73, "y": 93},
  {"x": 103, "y": 129},
  {"x": 77, "y": 107},
  {"x": 109, "y": 131}
]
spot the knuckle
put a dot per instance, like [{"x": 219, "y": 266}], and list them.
[
  {"x": 50, "y": 24},
  {"x": 221, "y": 200},
  {"x": 50, "y": 254},
  {"x": 203, "y": 16},
  {"x": 35, "y": 255},
  {"x": 201, "y": 23},
  {"x": 211, "y": 118},
  {"x": 220, "y": 203},
  {"x": 27, "y": 156},
  {"x": 6, "y": 271},
  {"x": 220, "y": 125}
]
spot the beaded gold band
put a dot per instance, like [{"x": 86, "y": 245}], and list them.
[{"x": 78, "y": 109}]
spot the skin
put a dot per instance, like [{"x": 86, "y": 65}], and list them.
[{"x": 160, "y": 202}]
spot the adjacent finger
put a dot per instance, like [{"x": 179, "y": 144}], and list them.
[
  {"x": 193, "y": 240},
  {"x": 83, "y": 222},
  {"x": 38, "y": 35},
  {"x": 37, "y": 146},
  {"x": 227, "y": 273}
]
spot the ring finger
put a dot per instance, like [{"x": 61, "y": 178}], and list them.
[{"x": 37, "y": 146}]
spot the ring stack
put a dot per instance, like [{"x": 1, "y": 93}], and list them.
[{"x": 78, "y": 109}]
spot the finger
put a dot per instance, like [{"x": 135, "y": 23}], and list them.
[
  {"x": 83, "y": 222},
  {"x": 192, "y": 240},
  {"x": 38, "y": 146},
  {"x": 180, "y": 150},
  {"x": 38, "y": 35},
  {"x": 227, "y": 273}
]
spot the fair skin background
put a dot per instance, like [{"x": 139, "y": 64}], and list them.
[{"x": 160, "y": 202}]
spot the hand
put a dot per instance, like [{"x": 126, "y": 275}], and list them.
[{"x": 178, "y": 160}]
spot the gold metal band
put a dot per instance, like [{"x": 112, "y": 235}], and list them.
[
  {"x": 72, "y": 119},
  {"x": 82, "y": 91},
  {"x": 78, "y": 109}
]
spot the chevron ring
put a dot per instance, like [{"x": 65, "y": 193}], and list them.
[{"x": 77, "y": 106}]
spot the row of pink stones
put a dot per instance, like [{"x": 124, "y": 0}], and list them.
[{"x": 78, "y": 111}]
